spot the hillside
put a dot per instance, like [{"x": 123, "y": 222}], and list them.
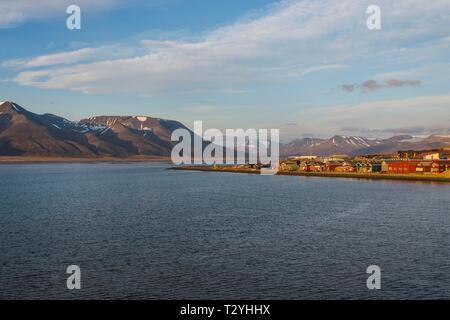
[{"x": 23, "y": 133}]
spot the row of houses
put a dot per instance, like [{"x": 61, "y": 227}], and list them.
[
  {"x": 435, "y": 162},
  {"x": 416, "y": 166},
  {"x": 386, "y": 166},
  {"x": 434, "y": 154},
  {"x": 329, "y": 166}
]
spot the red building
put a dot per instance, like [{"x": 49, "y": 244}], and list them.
[
  {"x": 402, "y": 166},
  {"x": 417, "y": 166}
]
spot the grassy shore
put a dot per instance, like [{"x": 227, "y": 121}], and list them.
[
  {"x": 381, "y": 176},
  {"x": 12, "y": 160}
]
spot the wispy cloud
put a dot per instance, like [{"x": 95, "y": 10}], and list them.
[
  {"x": 395, "y": 83},
  {"x": 72, "y": 57},
  {"x": 291, "y": 39},
  {"x": 372, "y": 85},
  {"x": 348, "y": 87}
]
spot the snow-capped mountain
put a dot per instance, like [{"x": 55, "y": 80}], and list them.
[
  {"x": 28, "y": 134},
  {"x": 161, "y": 128},
  {"x": 322, "y": 147},
  {"x": 25, "y": 133},
  {"x": 353, "y": 145}
]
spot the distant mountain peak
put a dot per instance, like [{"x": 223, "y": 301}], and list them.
[
  {"x": 10, "y": 107},
  {"x": 141, "y": 118},
  {"x": 356, "y": 145},
  {"x": 401, "y": 137},
  {"x": 33, "y": 134}
]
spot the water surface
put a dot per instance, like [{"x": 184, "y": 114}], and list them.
[{"x": 139, "y": 231}]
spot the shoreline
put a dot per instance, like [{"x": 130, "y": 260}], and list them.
[
  {"x": 34, "y": 159},
  {"x": 369, "y": 176}
]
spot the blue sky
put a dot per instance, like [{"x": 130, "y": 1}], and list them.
[{"x": 307, "y": 67}]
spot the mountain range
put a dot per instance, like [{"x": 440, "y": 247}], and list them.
[
  {"x": 353, "y": 145},
  {"x": 24, "y": 133}
]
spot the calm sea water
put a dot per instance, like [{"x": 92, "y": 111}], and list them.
[{"x": 139, "y": 231}]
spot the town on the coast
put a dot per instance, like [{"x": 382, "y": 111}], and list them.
[
  {"x": 426, "y": 165},
  {"x": 436, "y": 162}
]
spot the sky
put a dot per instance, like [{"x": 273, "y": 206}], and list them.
[{"x": 310, "y": 68}]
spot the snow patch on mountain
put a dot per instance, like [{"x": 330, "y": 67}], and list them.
[
  {"x": 86, "y": 127},
  {"x": 104, "y": 131}
]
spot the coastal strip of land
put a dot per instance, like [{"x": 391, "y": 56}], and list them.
[
  {"x": 35, "y": 159},
  {"x": 379, "y": 176}
]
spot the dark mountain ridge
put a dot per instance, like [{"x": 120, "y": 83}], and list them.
[{"x": 24, "y": 133}]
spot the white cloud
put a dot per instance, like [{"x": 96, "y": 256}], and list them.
[
  {"x": 15, "y": 12},
  {"x": 54, "y": 59},
  {"x": 72, "y": 57},
  {"x": 290, "y": 39}
]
